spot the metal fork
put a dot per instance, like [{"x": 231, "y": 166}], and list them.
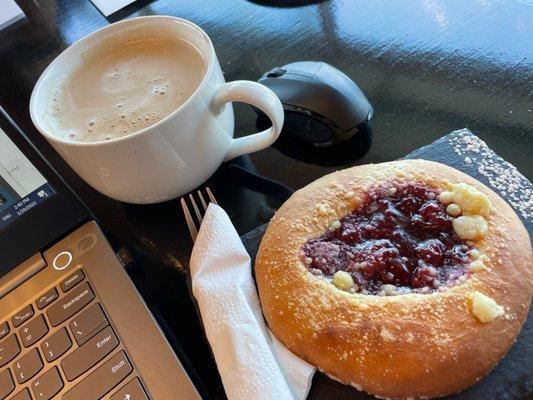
[{"x": 193, "y": 228}]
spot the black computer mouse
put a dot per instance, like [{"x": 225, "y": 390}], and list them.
[{"x": 323, "y": 107}]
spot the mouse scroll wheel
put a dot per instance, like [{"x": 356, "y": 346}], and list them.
[{"x": 276, "y": 72}]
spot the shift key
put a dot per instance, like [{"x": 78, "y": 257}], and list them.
[
  {"x": 103, "y": 380},
  {"x": 89, "y": 354},
  {"x": 70, "y": 304}
]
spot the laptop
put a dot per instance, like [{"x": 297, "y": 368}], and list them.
[{"x": 72, "y": 325}]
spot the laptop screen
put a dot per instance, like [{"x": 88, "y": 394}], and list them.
[{"x": 22, "y": 186}]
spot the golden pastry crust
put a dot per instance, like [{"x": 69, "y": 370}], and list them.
[{"x": 410, "y": 345}]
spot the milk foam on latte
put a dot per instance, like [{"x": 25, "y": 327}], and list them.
[{"x": 123, "y": 86}]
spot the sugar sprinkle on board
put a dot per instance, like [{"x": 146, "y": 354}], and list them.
[{"x": 500, "y": 174}]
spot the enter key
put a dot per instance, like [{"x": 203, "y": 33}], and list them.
[
  {"x": 89, "y": 354},
  {"x": 88, "y": 323}
]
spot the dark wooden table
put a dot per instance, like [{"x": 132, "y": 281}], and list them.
[{"x": 427, "y": 66}]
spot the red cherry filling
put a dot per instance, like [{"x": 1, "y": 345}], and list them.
[{"x": 400, "y": 236}]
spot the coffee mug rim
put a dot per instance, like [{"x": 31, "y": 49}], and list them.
[{"x": 73, "y": 46}]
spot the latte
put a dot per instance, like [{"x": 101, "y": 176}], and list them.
[{"x": 124, "y": 87}]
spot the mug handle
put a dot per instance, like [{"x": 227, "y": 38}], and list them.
[{"x": 258, "y": 96}]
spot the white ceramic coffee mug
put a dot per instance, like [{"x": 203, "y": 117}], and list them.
[{"x": 179, "y": 152}]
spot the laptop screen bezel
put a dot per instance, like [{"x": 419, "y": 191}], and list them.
[{"x": 49, "y": 221}]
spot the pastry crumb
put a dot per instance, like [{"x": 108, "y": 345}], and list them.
[
  {"x": 446, "y": 197},
  {"x": 470, "y": 227},
  {"x": 470, "y": 199},
  {"x": 387, "y": 336},
  {"x": 484, "y": 308},
  {"x": 477, "y": 266},
  {"x": 454, "y": 210},
  {"x": 343, "y": 280}
]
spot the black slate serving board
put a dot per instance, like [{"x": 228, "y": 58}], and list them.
[{"x": 512, "y": 378}]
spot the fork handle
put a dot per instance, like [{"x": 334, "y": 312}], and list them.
[{"x": 260, "y": 97}]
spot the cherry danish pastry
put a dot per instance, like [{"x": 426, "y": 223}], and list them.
[{"x": 406, "y": 279}]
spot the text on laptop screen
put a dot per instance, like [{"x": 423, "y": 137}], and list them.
[{"x": 22, "y": 187}]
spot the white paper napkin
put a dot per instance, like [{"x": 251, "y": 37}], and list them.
[
  {"x": 10, "y": 13},
  {"x": 108, "y": 7},
  {"x": 253, "y": 364}
]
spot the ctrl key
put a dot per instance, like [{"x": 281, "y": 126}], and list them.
[{"x": 103, "y": 380}]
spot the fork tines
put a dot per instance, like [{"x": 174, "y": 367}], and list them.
[{"x": 194, "y": 225}]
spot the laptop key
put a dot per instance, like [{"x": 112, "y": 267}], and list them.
[
  {"x": 22, "y": 316},
  {"x": 9, "y": 349},
  {"x": 102, "y": 380},
  {"x": 72, "y": 280},
  {"x": 133, "y": 390},
  {"x": 89, "y": 354},
  {"x": 33, "y": 331},
  {"x": 47, "y": 385},
  {"x": 70, "y": 304},
  {"x": 87, "y": 323},
  {"x": 28, "y": 366},
  {"x": 4, "y": 329},
  {"x": 47, "y": 298},
  {"x": 56, "y": 345},
  {"x": 6, "y": 384},
  {"x": 23, "y": 395}
]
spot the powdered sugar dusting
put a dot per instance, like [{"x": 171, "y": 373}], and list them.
[{"x": 501, "y": 175}]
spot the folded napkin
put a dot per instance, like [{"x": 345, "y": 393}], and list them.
[
  {"x": 253, "y": 364},
  {"x": 10, "y": 13},
  {"x": 108, "y": 7}
]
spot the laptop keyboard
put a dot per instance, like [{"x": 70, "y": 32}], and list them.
[{"x": 63, "y": 346}]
